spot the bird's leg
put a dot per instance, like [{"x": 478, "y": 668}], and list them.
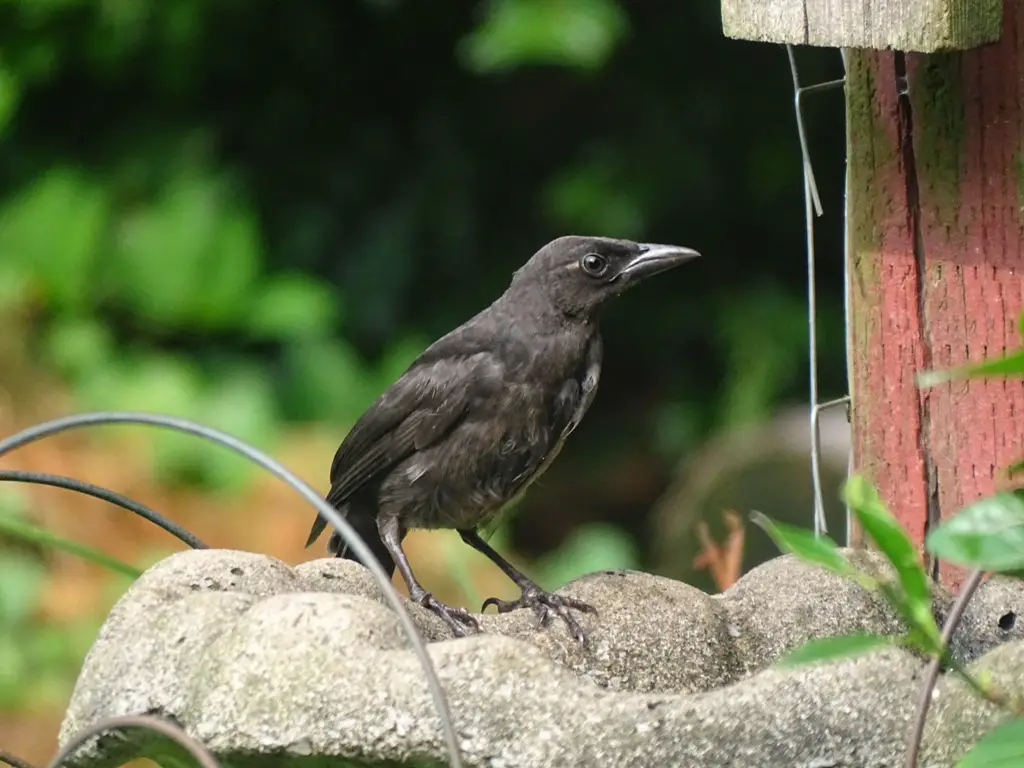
[
  {"x": 544, "y": 604},
  {"x": 458, "y": 619}
]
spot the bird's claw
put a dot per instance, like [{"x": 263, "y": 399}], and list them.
[
  {"x": 546, "y": 605},
  {"x": 459, "y": 620}
]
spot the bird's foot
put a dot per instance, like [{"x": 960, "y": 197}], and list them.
[
  {"x": 459, "y": 620},
  {"x": 546, "y": 605}
]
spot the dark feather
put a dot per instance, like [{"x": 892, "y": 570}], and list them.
[
  {"x": 483, "y": 412},
  {"x": 419, "y": 409}
]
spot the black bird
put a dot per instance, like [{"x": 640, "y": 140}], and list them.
[{"x": 483, "y": 412}]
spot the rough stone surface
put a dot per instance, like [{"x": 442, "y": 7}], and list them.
[
  {"x": 268, "y": 664},
  {"x": 994, "y": 615},
  {"x": 790, "y": 602}
]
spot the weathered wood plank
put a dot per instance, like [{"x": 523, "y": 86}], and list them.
[
  {"x": 904, "y": 25},
  {"x": 936, "y": 260},
  {"x": 886, "y": 326}
]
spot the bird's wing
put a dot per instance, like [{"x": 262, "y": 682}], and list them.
[
  {"x": 423, "y": 406},
  {"x": 586, "y": 382},
  {"x": 414, "y": 415}
]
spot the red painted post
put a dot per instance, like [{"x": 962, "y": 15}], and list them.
[{"x": 936, "y": 222}]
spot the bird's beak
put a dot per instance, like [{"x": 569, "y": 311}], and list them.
[{"x": 654, "y": 258}]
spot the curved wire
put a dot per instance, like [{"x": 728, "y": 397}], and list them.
[
  {"x": 345, "y": 530},
  {"x": 164, "y": 727},
  {"x": 14, "y": 760},
  {"x": 88, "y": 489}
]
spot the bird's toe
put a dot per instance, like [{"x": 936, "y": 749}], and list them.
[
  {"x": 503, "y": 606},
  {"x": 546, "y": 606},
  {"x": 460, "y": 621},
  {"x": 562, "y": 606}
]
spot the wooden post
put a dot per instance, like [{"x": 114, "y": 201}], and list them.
[
  {"x": 936, "y": 269},
  {"x": 935, "y": 209},
  {"x": 904, "y": 25}
]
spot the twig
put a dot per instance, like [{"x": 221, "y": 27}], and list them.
[
  {"x": 78, "y": 486},
  {"x": 164, "y": 727},
  {"x": 724, "y": 561},
  {"x": 932, "y": 673}
]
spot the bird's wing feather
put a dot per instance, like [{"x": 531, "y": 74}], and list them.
[
  {"x": 420, "y": 408},
  {"x": 591, "y": 375},
  {"x": 424, "y": 405}
]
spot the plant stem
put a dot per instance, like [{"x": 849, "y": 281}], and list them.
[{"x": 932, "y": 674}]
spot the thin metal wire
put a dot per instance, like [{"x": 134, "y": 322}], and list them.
[
  {"x": 88, "y": 489},
  {"x": 352, "y": 539},
  {"x": 812, "y": 207},
  {"x": 14, "y": 760},
  {"x": 162, "y": 726}
]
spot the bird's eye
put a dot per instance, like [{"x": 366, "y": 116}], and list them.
[{"x": 594, "y": 264}]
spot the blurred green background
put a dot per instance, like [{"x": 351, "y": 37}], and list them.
[{"x": 256, "y": 214}]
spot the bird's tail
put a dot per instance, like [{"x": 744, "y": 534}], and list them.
[
  {"x": 366, "y": 526},
  {"x": 314, "y": 533}
]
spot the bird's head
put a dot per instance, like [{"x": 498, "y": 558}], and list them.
[{"x": 579, "y": 274}]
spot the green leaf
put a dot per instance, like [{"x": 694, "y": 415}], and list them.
[
  {"x": 78, "y": 345},
  {"x": 828, "y": 648},
  {"x": 592, "y": 547},
  {"x": 820, "y": 550},
  {"x": 924, "y": 636},
  {"x": 1016, "y": 468},
  {"x": 26, "y": 532},
  {"x": 895, "y": 544},
  {"x": 291, "y": 306},
  {"x": 571, "y": 33},
  {"x": 21, "y": 582},
  {"x": 190, "y": 259},
  {"x": 1008, "y": 365},
  {"x": 597, "y": 193},
  {"x": 241, "y": 402},
  {"x": 56, "y": 229},
  {"x": 327, "y": 379},
  {"x": 10, "y": 96},
  {"x": 987, "y": 534},
  {"x": 1002, "y": 746}
]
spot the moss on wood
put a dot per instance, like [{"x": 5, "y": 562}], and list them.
[{"x": 937, "y": 99}]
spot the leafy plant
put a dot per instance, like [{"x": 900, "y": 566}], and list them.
[
  {"x": 987, "y": 535},
  {"x": 39, "y": 661},
  {"x": 1002, "y": 746},
  {"x": 910, "y": 595},
  {"x": 185, "y": 258},
  {"x": 13, "y": 524}
]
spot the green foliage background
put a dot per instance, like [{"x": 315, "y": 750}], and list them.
[
  {"x": 255, "y": 214},
  {"x": 247, "y": 212}
]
